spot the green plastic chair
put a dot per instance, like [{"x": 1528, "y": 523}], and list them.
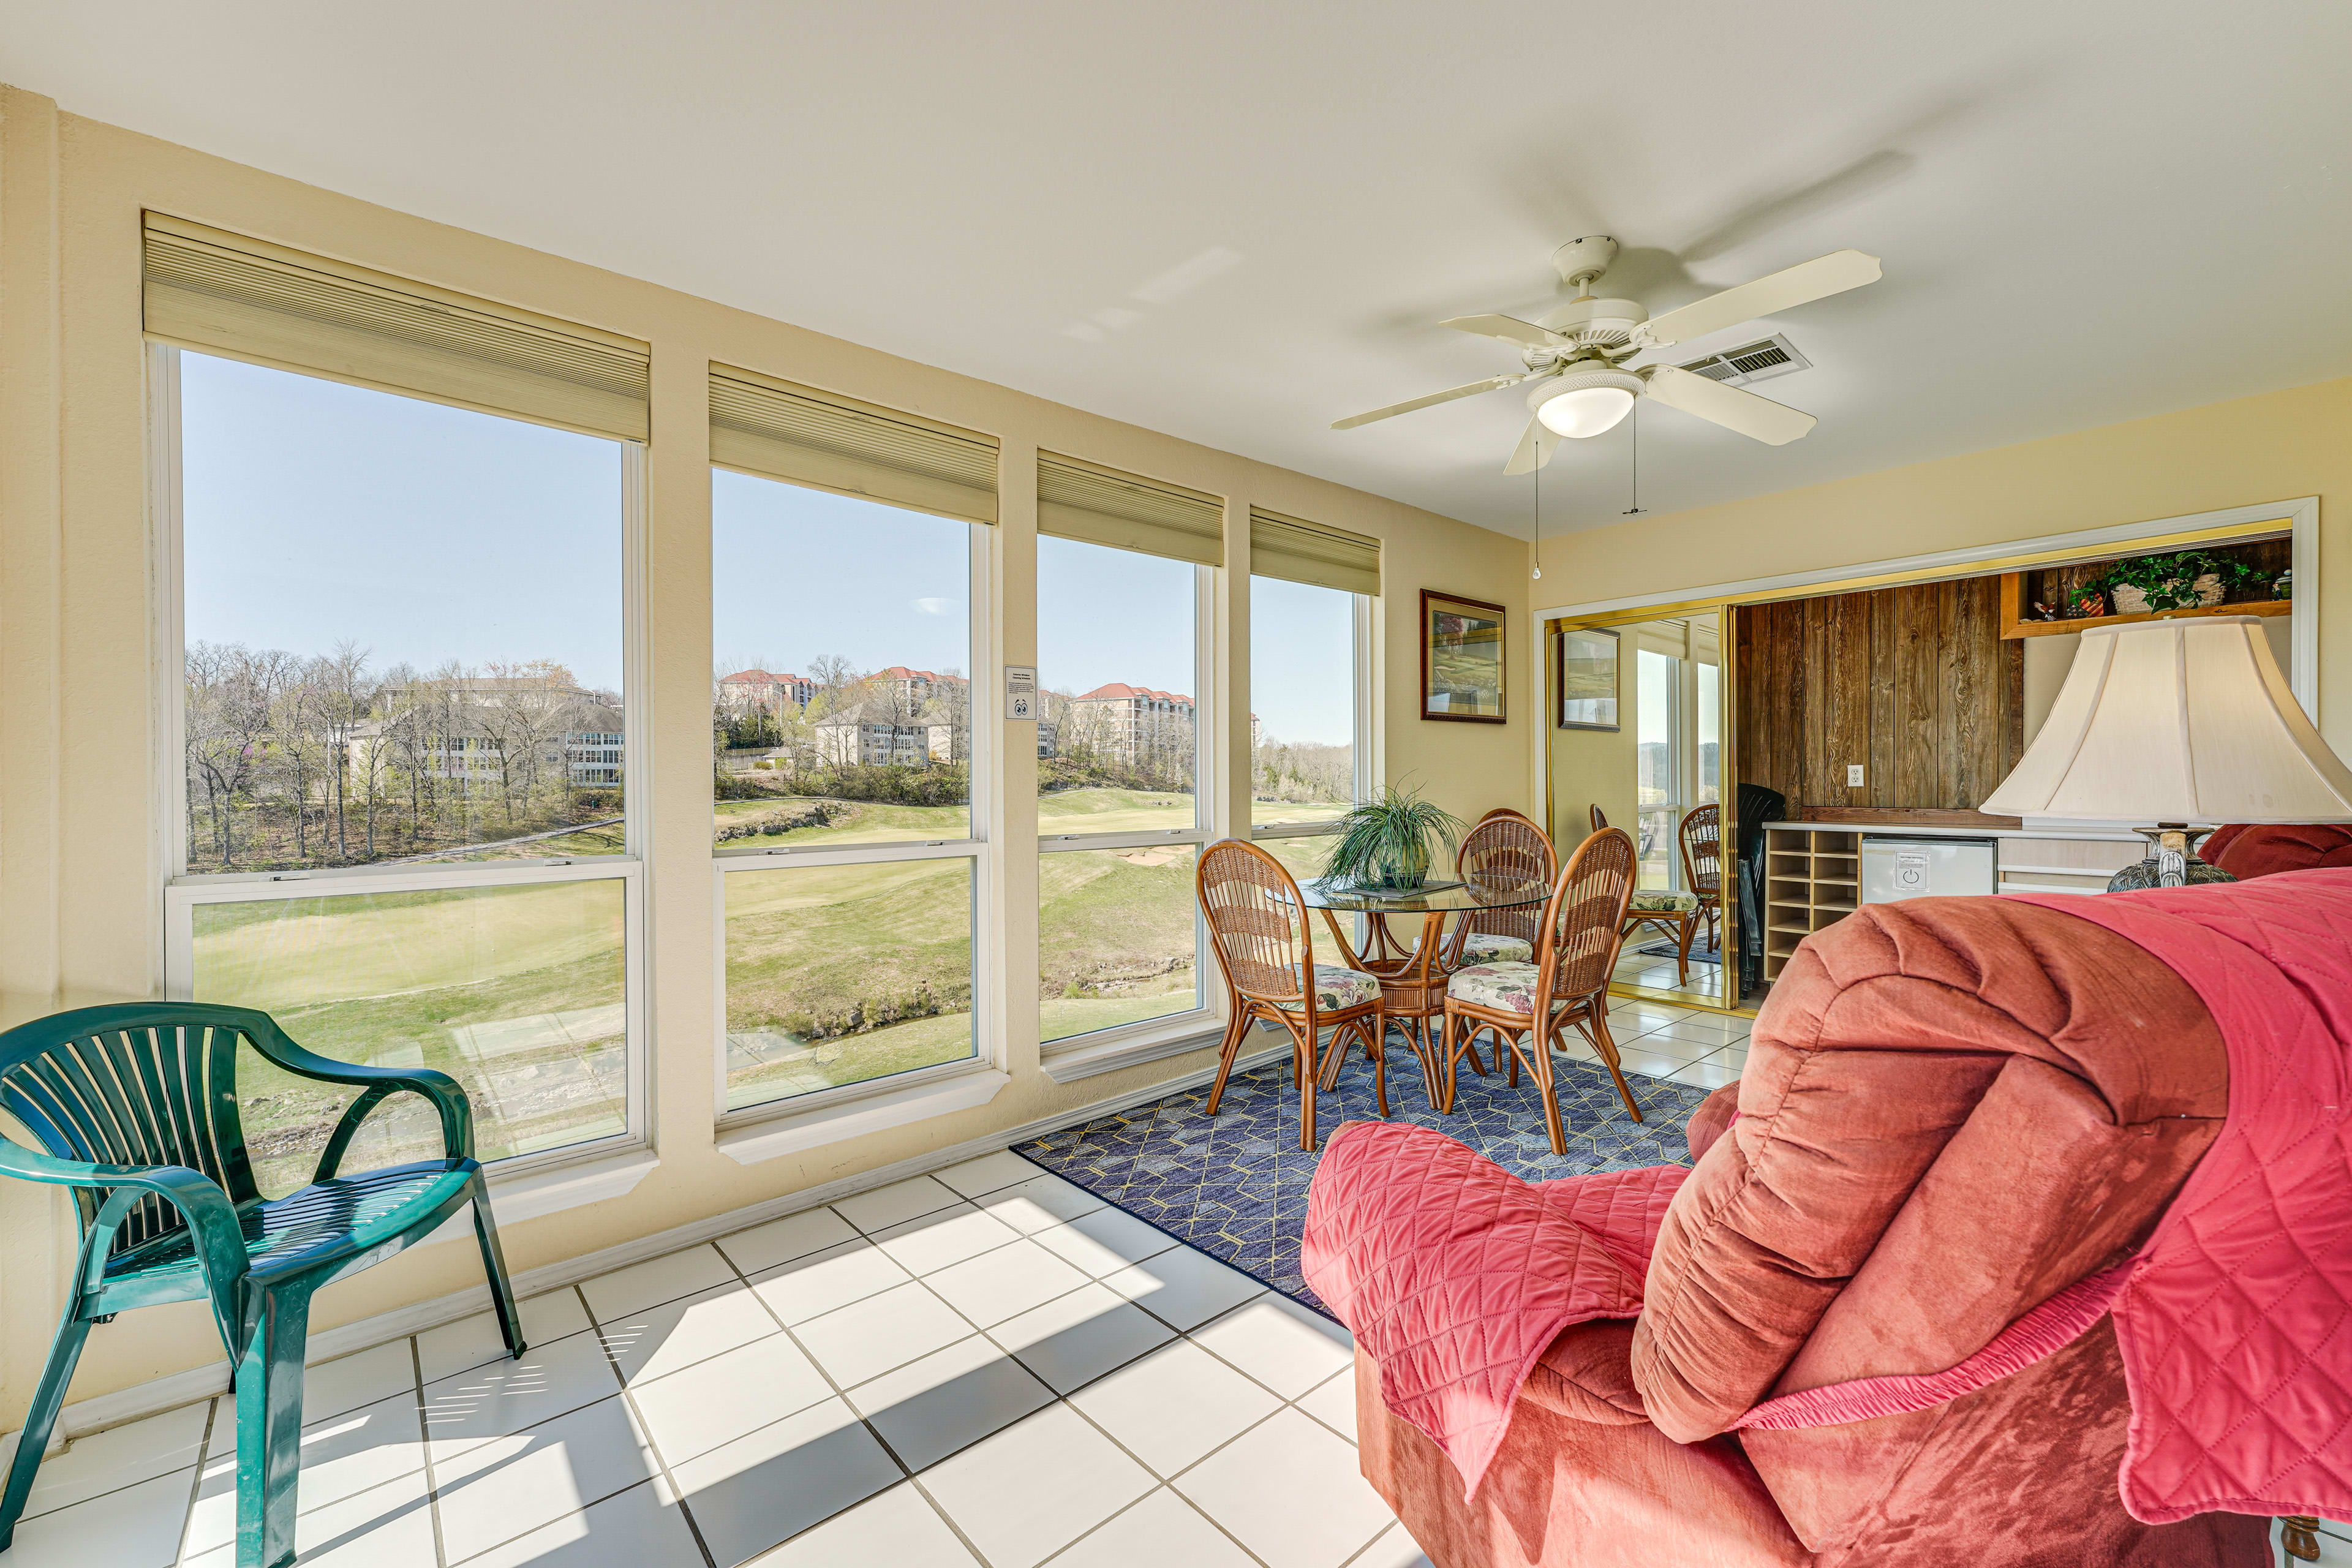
[{"x": 135, "y": 1109}]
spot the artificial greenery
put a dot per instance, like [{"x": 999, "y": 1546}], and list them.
[
  {"x": 2170, "y": 581},
  {"x": 1384, "y": 843}
]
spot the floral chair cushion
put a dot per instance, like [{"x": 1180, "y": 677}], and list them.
[
  {"x": 1657, "y": 902},
  {"x": 1501, "y": 987},
  {"x": 1493, "y": 947},
  {"x": 1337, "y": 989}
]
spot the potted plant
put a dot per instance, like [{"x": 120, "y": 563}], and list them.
[
  {"x": 1384, "y": 843},
  {"x": 2176, "y": 581}
]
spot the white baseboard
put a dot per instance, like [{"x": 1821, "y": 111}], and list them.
[{"x": 153, "y": 1397}]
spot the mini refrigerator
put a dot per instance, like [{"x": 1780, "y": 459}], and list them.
[{"x": 1896, "y": 868}]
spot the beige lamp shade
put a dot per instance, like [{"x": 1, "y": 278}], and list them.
[{"x": 2178, "y": 721}]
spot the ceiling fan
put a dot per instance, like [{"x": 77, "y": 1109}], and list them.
[{"x": 1576, "y": 357}]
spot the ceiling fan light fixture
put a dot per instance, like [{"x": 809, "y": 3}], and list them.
[{"x": 1582, "y": 404}]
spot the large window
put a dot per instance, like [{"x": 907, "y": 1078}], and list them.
[
  {"x": 1309, "y": 719},
  {"x": 1119, "y": 816},
  {"x": 402, "y": 824},
  {"x": 843, "y": 767}
]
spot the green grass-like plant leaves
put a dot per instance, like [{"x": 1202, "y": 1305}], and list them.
[{"x": 1384, "y": 843}]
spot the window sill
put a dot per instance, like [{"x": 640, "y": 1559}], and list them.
[
  {"x": 528, "y": 1194},
  {"x": 772, "y": 1136},
  {"x": 1134, "y": 1046}
]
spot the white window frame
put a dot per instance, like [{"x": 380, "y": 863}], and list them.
[
  {"x": 1121, "y": 1045},
  {"x": 186, "y": 891},
  {"x": 821, "y": 1116}
]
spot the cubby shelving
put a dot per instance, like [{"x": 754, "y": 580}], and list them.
[{"x": 1812, "y": 878}]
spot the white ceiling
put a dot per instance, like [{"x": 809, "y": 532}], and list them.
[{"x": 1236, "y": 223}]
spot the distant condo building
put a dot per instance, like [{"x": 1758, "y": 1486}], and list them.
[
  {"x": 852, "y": 740},
  {"x": 1130, "y": 722},
  {"x": 913, "y": 687},
  {"x": 460, "y": 728},
  {"x": 760, "y": 688}
]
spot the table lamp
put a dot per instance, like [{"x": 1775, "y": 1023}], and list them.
[{"x": 2173, "y": 722}]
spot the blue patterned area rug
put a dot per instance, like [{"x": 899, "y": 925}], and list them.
[{"x": 1236, "y": 1185}]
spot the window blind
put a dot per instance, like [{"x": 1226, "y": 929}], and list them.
[
  {"x": 782, "y": 431},
  {"x": 1300, "y": 552},
  {"x": 224, "y": 294},
  {"x": 1079, "y": 501},
  {"x": 1675, "y": 647}
]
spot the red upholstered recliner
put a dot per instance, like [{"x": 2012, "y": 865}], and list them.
[
  {"x": 1952, "y": 1108},
  {"x": 2264, "y": 849}
]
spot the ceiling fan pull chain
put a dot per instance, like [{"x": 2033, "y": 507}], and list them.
[
  {"x": 1538, "y": 472},
  {"x": 1633, "y": 423}
]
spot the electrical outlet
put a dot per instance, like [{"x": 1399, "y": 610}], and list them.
[{"x": 1854, "y": 776}]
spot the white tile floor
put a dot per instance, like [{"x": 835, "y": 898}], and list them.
[
  {"x": 987, "y": 1368},
  {"x": 1651, "y": 972}
]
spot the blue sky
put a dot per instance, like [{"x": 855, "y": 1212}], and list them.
[{"x": 316, "y": 513}]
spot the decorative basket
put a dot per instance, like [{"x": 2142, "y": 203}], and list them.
[{"x": 2131, "y": 601}]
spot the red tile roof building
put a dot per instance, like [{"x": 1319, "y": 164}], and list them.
[
  {"x": 1132, "y": 723},
  {"x": 765, "y": 688}
]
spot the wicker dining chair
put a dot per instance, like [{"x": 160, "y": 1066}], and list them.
[
  {"x": 1576, "y": 949},
  {"x": 1258, "y": 925},
  {"x": 1701, "y": 839},
  {"x": 1506, "y": 848}
]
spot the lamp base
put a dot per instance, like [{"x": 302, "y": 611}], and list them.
[{"x": 2172, "y": 866}]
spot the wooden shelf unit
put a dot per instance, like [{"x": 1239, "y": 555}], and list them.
[
  {"x": 1812, "y": 878},
  {"x": 2269, "y": 556}
]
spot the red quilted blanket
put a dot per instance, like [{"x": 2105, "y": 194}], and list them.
[
  {"x": 2236, "y": 1325},
  {"x": 2235, "y": 1322},
  {"x": 1455, "y": 1275}
]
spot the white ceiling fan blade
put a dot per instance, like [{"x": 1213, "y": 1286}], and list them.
[
  {"x": 1760, "y": 418},
  {"x": 1510, "y": 328},
  {"x": 1799, "y": 285},
  {"x": 1448, "y": 396},
  {"x": 1535, "y": 449}
]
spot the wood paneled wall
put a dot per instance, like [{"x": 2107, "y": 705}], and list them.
[{"x": 1914, "y": 683}]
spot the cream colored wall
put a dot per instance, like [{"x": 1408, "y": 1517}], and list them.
[
  {"x": 2276, "y": 447},
  {"x": 81, "y": 779}
]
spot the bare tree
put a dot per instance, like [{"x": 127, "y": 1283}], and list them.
[
  {"x": 229, "y": 696},
  {"x": 838, "y": 682}
]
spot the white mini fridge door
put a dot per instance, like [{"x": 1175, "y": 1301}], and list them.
[{"x": 1893, "y": 869}]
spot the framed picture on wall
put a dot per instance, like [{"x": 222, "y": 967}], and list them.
[
  {"x": 1584, "y": 673},
  {"x": 1462, "y": 658}
]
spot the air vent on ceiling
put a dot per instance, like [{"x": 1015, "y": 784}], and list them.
[{"x": 1760, "y": 361}]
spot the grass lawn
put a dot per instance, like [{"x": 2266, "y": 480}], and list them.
[
  {"x": 870, "y": 822},
  {"x": 1114, "y": 926},
  {"x": 858, "y": 822},
  {"x": 518, "y": 992},
  {"x": 835, "y": 975},
  {"x": 846, "y": 960},
  {"x": 1112, "y": 811},
  {"x": 1263, "y": 812},
  {"x": 608, "y": 838}
]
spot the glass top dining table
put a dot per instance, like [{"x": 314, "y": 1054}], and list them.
[
  {"x": 1434, "y": 898},
  {"x": 1418, "y": 963}
]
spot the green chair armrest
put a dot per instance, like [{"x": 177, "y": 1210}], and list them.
[
  {"x": 377, "y": 1085},
  {"x": 214, "y": 1227}
]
